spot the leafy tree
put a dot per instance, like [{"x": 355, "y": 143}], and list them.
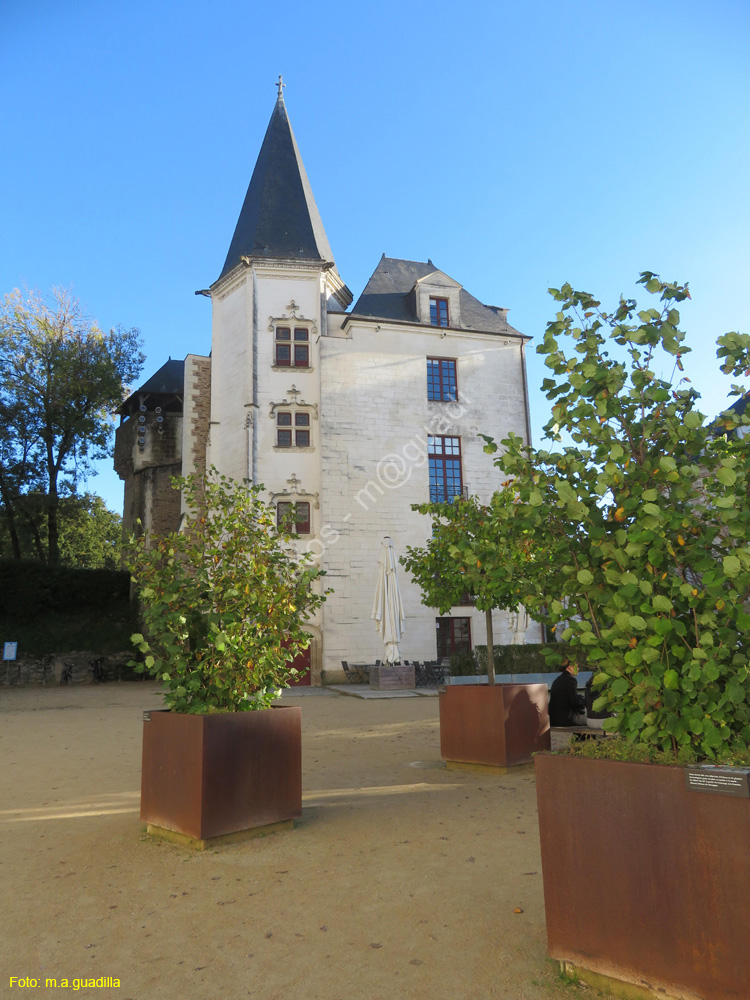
[
  {"x": 19, "y": 475},
  {"x": 461, "y": 557},
  {"x": 60, "y": 378},
  {"x": 644, "y": 522},
  {"x": 90, "y": 533},
  {"x": 224, "y": 600}
]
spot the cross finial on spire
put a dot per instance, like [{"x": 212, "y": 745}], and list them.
[{"x": 280, "y": 83}]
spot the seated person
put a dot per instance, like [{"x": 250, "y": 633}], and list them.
[{"x": 566, "y": 705}]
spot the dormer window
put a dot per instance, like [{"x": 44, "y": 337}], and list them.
[
  {"x": 438, "y": 312},
  {"x": 437, "y": 301}
]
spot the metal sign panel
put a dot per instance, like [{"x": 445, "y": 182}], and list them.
[
  {"x": 719, "y": 780},
  {"x": 9, "y": 650}
]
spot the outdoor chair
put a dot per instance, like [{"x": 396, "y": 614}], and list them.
[
  {"x": 353, "y": 675},
  {"x": 434, "y": 672}
]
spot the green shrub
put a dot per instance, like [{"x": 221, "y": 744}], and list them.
[
  {"x": 533, "y": 658},
  {"x": 100, "y": 631},
  {"x": 29, "y": 590},
  {"x": 464, "y": 664},
  {"x": 618, "y": 748},
  {"x": 224, "y": 600}
]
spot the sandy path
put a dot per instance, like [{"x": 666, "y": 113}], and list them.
[{"x": 400, "y": 881}]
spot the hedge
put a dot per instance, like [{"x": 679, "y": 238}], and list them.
[
  {"x": 527, "y": 659},
  {"x": 31, "y": 589}
]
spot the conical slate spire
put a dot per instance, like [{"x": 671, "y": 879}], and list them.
[{"x": 279, "y": 217}]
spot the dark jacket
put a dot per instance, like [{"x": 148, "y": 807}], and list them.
[{"x": 564, "y": 700}]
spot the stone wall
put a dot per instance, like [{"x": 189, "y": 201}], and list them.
[
  {"x": 147, "y": 472},
  {"x": 197, "y": 413},
  {"x": 47, "y": 670}
]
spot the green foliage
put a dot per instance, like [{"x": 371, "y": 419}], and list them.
[
  {"x": 90, "y": 535},
  {"x": 646, "y": 753},
  {"x": 29, "y": 590},
  {"x": 98, "y": 630},
  {"x": 57, "y": 609},
  {"x": 531, "y": 658},
  {"x": 462, "y": 557},
  {"x": 224, "y": 600},
  {"x": 61, "y": 377},
  {"x": 464, "y": 664},
  {"x": 643, "y": 521}
]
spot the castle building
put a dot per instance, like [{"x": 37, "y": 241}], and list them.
[{"x": 351, "y": 413}]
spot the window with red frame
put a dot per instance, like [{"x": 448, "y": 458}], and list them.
[
  {"x": 453, "y": 636},
  {"x": 439, "y": 312},
  {"x": 293, "y": 517},
  {"x": 441, "y": 379},
  {"x": 292, "y": 352},
  {"x": 292, "y": 429}
]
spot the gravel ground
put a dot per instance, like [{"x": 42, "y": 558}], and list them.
[{"x": 401, "y": 880}]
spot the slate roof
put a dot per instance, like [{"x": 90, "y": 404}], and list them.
[
  {"x": 279, "y": 217},
  {"x": 169, "y": 380},
  {"x": 388, "y": 296}
]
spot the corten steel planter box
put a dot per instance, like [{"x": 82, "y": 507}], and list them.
[
  {"x": 392, "y": 678},
  {"x": 498, "y": 725},
  {"x": 207, "y": 776},
  {"x": 645, "y": 880}
]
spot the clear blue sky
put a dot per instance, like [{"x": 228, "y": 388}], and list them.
[{"x": 518, "y": 145}]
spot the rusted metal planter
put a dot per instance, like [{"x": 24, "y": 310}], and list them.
[
  {"x": 209, "y": 776},
  {"x": 498, "y": 725},
  {"x": 645, "y": 880}
]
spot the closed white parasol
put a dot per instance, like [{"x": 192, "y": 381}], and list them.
[{"x": 387, "y": 609}]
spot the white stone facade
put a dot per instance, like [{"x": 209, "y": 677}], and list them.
[{"x": 365, "y": 390}]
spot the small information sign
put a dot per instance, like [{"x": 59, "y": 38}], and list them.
[
  {"x": 9, "y": 650},
  {"x": 719, "y": 780}
]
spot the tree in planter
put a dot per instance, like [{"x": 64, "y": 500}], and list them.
[
  {"x": 644, "y": 521},
  {"x": 223, "y": 601},
  {"x": 461, "y": 557}
]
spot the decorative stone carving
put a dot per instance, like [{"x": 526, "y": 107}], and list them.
[
  {"x": 291, "y": 315},
  {"x": 294, "y": 400},
  {"x": 295, "y": 491}
]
